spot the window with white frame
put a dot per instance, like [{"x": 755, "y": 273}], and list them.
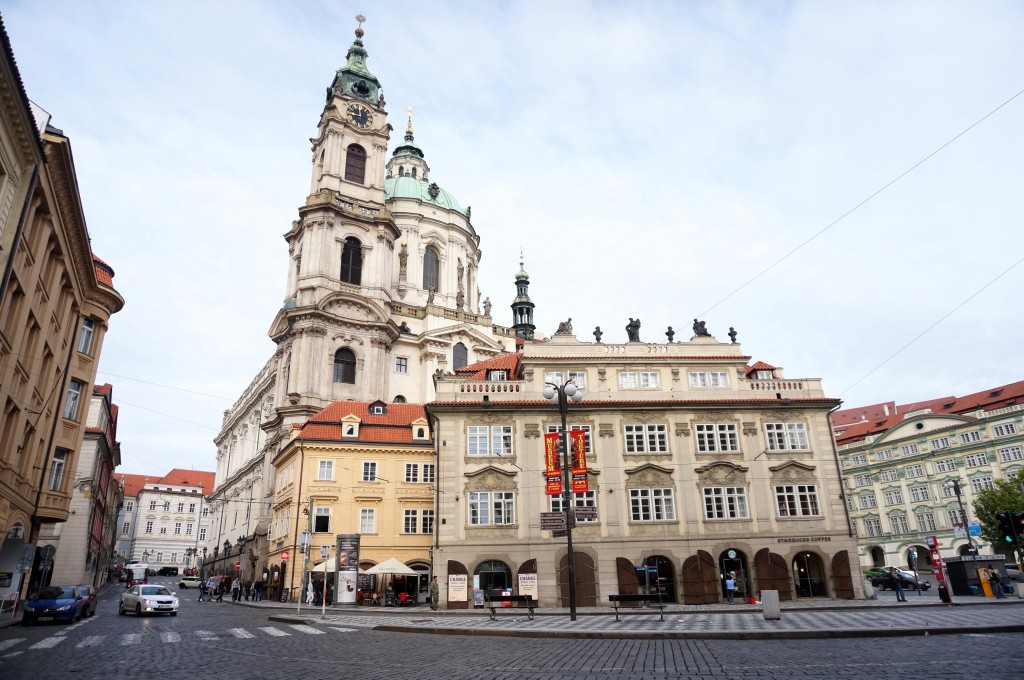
[
  {"x": 857, "y": 459},
  {"x": 152, "y": 506},
  {"x": 369, "y": 471},
  {"x": 126, "y": 527},
  {"x": 867, "y": 501},
  {"x": 426, "y": 521},
  {"x": 797, "y": 500},
  {"x": 411, "y": 521},
  {"x": 908, "y": 449},
  {"x": 85, "y": 337},
  {"x": 717, "y": 437},
  {"x": 188, "y": 529},
  {"x": 652, "y": 505},
  {"x": 322, "y": 520},
  {"x": 167, "y": 506},
  {"x": 174, "y": 557},
  {"x": 181, "y": 507},
  {"x": 401, "y": 364},
  {"x": 940, "y": 443},
  {"x": 893, "y": 497},
  {"x": 1004, "y": 429},
  {"x": 862, "y": 480},
  {"x": 412, "y": 474},
  {"x": 177, "y": 528},
  {"x": 947, "y": 491},
  {"x": 129, "y": 506},
  {"x": 191, "y": 508},
  {"x": 970, "y": 437},
  {"x": 554, "y": 377},
  {"x": 786, "y": 436},
  {"x": 764, "y": 375},
  {"x": 419, "y": 473},
  {"x": 73, "y": 397},
  {"x": 954, "y": 516},
  {"x": 925, "y": 521},
  {"x": 489, "y": 440},
  {"x": 149, "y": 527},
  {"x": 202, "y": 533},
  {"x": 57, "y": 465},
  {"x": 899, "y": 524},
  {"x": 725, "y": 502},
  {"x": 888, "y": 475},
  {"x": 945, "y": 465},
  {"x": 579, "y": 378},
  {"x": 159, "y": 557},
  {"x": 492, "y": 508},
  {"x": 873, "y": 525},
  {"x": 642, "y": 380},
  {"x": 498, "y": 375},
  {"x": 709, "y": 379},
  {"x": 981, "y": 483},
  {"x": 973, "y": 460},
  {"x": 1010, "y": 454},
  {"x": 367, "y": 521},
  {"x": 572, "y": 426},
  {"x": 919, "y": 493},
  {"x": 649, "y": 438},
  {"x": 163, "y": 529},
  {"x": 912, "y": 471},
  {"x": 586, "y": 499},
  {"x": 884, "y": 454},
  {"x": 206, "y": 512}
]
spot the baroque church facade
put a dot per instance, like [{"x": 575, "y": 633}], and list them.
[{"x": 381, "y": 294}]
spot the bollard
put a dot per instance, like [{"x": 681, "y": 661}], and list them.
[{"x": 770, "y": 605}]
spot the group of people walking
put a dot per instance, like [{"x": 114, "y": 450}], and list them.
[{"x": 213, "y": 590}]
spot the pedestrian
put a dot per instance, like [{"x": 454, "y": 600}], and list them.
[
  {"x": 202, "y": 590},
  {"x": 897, "y": 585},
  {"x": 993, "y": 579},
  {"x": 220, "y": 591},
  {"x": 435, "y": 593},
  {"x": 309, "y": 592},
  {"x": 730, "y": 587},
  {"x": 248, "y": 589},
  {"x": 259, "y": 590},
  {"x": 235, "y": 586}
]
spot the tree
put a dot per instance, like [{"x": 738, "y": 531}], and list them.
[{"x": 1005, "y": 495}]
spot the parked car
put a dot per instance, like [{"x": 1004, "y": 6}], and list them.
[
  {"x": 167, "y": 571},
  {"x": 148, "y": 599},
  {"x": 189, "y": 582},
  {"x": 89, "y": 597},
  {"x": 54, "y": 603},
  {"x": 907, "y": 580},
  {"x": 877, "y": 571}
]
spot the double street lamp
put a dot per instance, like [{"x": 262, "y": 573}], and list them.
[
  {"x": 954, "y": 484},
  {"x": 560, "y": 396}
]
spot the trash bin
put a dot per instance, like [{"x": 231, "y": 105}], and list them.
[{"x": 944, "y": 595}]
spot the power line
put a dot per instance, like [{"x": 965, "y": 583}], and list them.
[
  {"x": 120, "y": 402},
  {"x": 169, "y": 387},
  {"x": 859, "y": 205}
]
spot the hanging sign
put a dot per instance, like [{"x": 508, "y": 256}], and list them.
[
  {"x": 553, "y": 464},
  {"x": 578, "y": 453}
]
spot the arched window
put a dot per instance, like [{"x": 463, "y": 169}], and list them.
[
  {"x": 355, "y": 164},
  {"x": 430, "y": 269},
  {"x": 345, "y": 366},
  {"x": 352, "y": 261},
  {"x": 399, "y": 399},
  {"x": 460, "y": 356},
  {"x": 401, "y": 171},
  {"x": 414, "y": 172}
]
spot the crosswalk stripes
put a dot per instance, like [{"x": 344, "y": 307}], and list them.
[
  {"x": 46, "y": 643},
  {"x": 307, "y": 629},
  {"x": 275, "y": 632},
  {"x": 91, "y": 641},
  {"x": 131, "y": 639},
  {"x": 4, "y": 644},
  {"x": 206, "y": 635},
  {"x": 170, "y": 636},
  {"x": 241, "y": 633}
]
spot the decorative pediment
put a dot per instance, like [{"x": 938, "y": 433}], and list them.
[
  {"x": 716, "y": 417},
  {"x": 465, "y": 333},
  {"x": 353, "y": 308},
  {"x": 721, "y": 472},
  {"x": 649, "y": 475},
  {"x": 490, "y": 478},
  {"x": 792, "y": 471}
]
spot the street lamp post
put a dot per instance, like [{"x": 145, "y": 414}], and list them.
[
  {"x": 241, "y": 562},
  {"x": 955, "y": 485},
  {"x": 560, "y": 395}
]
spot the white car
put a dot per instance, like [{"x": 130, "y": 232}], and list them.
[
  {"x": 148, "y": 599},
  {"x": 189, "y": 582}
]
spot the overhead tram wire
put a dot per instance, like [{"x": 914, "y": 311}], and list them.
[
  {"x": 169, "y": 387},
  {"x": 859, "y": 205}
]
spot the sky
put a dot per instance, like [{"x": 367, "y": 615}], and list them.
[{"x": 840, "y": 182}]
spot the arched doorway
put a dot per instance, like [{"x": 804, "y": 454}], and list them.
[
  {"x": 918, "y": 557},
  {"x": 493, "y": 575},
  {"x": 733, "y": 561},
  {"x": 964, "y": 550},
  {"x": 809, "y": 575},
  {"x": 658, "y": 576},
  {"x": 586, "y": 580},
  {"x": 877, "y": 556}
]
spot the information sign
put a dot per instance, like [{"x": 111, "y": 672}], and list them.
[
  {"x": 552, "y": 521},
  {"x": 284, "y": 555}
]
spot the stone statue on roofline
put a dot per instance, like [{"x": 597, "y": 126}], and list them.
[
  {"x": 633, "y": 330},
  {"x": 565, "y": 327},
  {"x": 598, "y": 334},
  {"x": 700, "y": 330}
]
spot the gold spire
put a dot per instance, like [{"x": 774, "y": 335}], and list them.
[{"x": 408, "y": 127}]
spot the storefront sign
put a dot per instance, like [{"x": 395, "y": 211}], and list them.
[
  {"x": 806, "y": 539},
  {"x": 458, "y": 587},
  {"x": 528, "y": 585}
]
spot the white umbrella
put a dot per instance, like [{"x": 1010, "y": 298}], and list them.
[
  {"x": 390, "y": 566},
  {"x": 330, "y": 565}
]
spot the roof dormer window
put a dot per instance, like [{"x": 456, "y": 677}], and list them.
[
  {"x": 764, "y": 375},
  {"x": 497, "y": 374}
]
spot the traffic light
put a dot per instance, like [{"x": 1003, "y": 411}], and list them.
[{"x": 1011, "y": 525}]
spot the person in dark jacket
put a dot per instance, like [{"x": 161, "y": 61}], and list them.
[{"x": 896, "y": 584}]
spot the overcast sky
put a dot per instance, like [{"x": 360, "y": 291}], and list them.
[{"x": 649, "y": 158}]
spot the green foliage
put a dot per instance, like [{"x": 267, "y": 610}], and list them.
[{"x": 1005, "y": 495}]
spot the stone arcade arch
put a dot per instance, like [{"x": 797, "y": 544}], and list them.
[
  {"x": 734, "y": 560},
  {"x": 809, "y": 575}
]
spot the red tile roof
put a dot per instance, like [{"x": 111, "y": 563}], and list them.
[
  {"x": 503, "y": 362},
  {"x": 132, "y": 483},
  {"x": 394, "y": 427},
  {"x": 180, "y": 477},
  {"x": 758, "y": 366},
  {"x": 986, "y": 400},
  {"x": 104, "y": 272}
]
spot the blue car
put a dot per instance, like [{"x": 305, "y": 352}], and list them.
[{"x": 54, "y": 603}]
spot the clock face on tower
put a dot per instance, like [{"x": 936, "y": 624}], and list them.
[{"x": 360, "y": 116}]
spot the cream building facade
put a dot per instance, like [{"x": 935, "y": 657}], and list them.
[{"x": 698, "y": 464}]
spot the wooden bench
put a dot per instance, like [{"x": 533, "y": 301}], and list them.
[
  {"x": 657, "y": 598},
  {"x": 495, "y": 602}
]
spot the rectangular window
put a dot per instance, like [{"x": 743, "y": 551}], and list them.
[
  {"x": 60, "y": 458},
  {"x": 325, "y": 471},
  {"x": 411, "y": 522},
  {"x": 650, "y": 380},
  {"x": 908, "y": 449},
  {"x": 857, "y": 459},
  {"x": 646, "y": 438},
  {"x": 873, "y": 525},
  {"x": 973, "y": 460},
  {"x": 797, "y": 500},
  {"x": 868, "y": 501},
  {"x": 628, "y": 380},
  {"x": 970, "y": 437},
  {"x": 945, "y": 465},
  {"x": 888, "y": 475},
  {"x": 554, "y": 377},
  {"x": 884, "y": 454},
  {"x": 947, "y": 491},
  {"x": 163, "y": 529},
  {"x": 322, "y": 520},
  {"x": 940, "y": 443},
  {"x": 426, "y": 521},
  {"x": 919, "y": 493},
  {"x": 177, "y": 528},
  {"x": 495, "y": 440},
  {"x": 926, "y": 521},
  {"x": 71, "y": 402},
  {"x": 954, "y": 516},
  {"x": 652, "y": 505},
  {"x": 181, "y": 507},
  {"x": 401, "y": 364},
  {"x": 716, "y": 437},
  {"x": 206, "y": 512},
  {"x": 709, "y": 379},
  {"x": 188, "y": 529},
  {"x": 1011, "y": 454},
  {"x": 152, "y": 506},
  {"x": 191, "y": 508},
  {"x": 149, "y": 527},
  {"x": 587, "y": 499},
  {"x": 725, "y": 502},
  {"x": 497, "y": 375},
  {"x": 893, "y": 497},
  {"x": 786, "y": 436},
  {"x": 369, "y": 471},
  {"x": 427, "y": 470},
  {"x": 367, "y": 521},
  {"x": 979, "y": 484},
  {"x": 85, "y": 337},
  {"x": 412, "y": 474},
  {"x": 862, "y": 480},
  {"x": 585, "y": 428},
  {"x": 579, "y": 378},
  {"x": 644, "y": 380},
  {"x": 491, "y": 508},
  {"x": 912, "y": 471},
  {"x": 1004, "y": 429},
  {"x": 167, "y": 506},
  {"x": 899, "y": 524},
  {"x": 202, "y": 533},
  {"x": 129, "y": 506},
  {"x": 126, "y": 527}
]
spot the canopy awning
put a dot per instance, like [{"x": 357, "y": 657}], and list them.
[{"x": 390, "y": 566}]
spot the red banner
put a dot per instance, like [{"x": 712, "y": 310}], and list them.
[
  {"x": 553, "y": 464},
  {"x": 578, "y": 451}
]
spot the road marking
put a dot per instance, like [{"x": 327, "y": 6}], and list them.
[
  {"x": 11, "y": 654},
  {"x": 343, "y": 630},
  {"x": 131, "y": 639},
  {"x": 48, "y": 642},
  {"x": 91, "y": 641},
  {"x": 276, "y": 632},
  {"x": 170, "y": 636},
  {"x": 10, "y": 643},
  {"x": 241, "y": 633},
  {"x": 308, "y": 630},
  {"x": 206, "y": 635}
]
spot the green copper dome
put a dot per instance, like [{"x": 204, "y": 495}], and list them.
[
  {"x": 421, "y": 190},
  {"x": 354, "y": 79}
]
